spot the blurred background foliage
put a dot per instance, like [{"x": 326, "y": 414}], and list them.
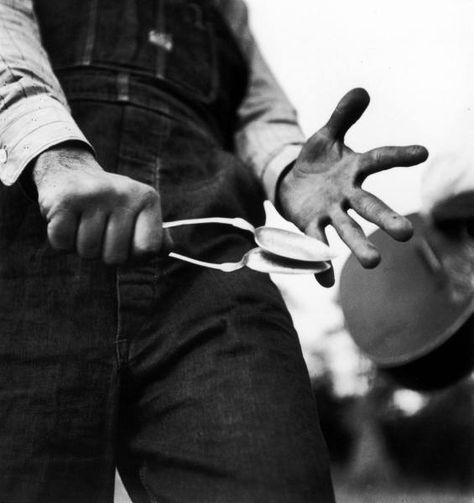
[{"x": 389, "y": 442}]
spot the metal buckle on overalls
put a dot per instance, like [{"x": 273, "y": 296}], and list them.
[{"x": 160, "y": 39}]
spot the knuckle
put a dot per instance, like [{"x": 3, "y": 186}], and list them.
[
  {"x": 61, "y": 233},
  {"x": 355, "y": 197},
  {"x": 133, "y": 195},
  {"x": 369, "y": 159},
  {"x": 71, "y": 197},
  {"x": 145, "y": 249},
  {"x": 370, "y": 206},
  {"x": 122, "y": 192},
  {"x": 59, "y": 240},
  {"x": 147, "y": 245},
  {"x": 60, "y": 198},
  {"x": 376, "y": 156},
  {"x": 323, "y": 134},
  {"x": 149, "y": 197},
  {"x": 115, "y": 259}
]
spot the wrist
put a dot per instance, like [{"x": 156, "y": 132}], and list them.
[
  {"x": 280, "y": 187},
  {"x": 71, "y": 155}
]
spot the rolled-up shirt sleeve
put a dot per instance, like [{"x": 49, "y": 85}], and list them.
[
  {"x": 34, "y": 114},
  {"x": 268, "y": 137}
]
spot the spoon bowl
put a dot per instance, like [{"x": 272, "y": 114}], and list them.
[
  {"x": 261, "y": 261},
  {"x": 292, "y": 245}
]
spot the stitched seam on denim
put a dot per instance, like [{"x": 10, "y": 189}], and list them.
[
  {"x": 118, "y": 339},
  {"x": 160, "y": 52},
  {"x": 145, "y": 484},
  {"x": 91, "y": 32},
  {"x": 123, "y": 87},
  {"x": 159, "y": 158},
  {"x": 215, "y": 76}
]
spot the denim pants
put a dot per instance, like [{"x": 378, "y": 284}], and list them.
[{"x": 190, "y": 381}]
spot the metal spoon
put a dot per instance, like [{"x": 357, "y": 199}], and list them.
[
  {"x": 277, "y": 241},
  {"x": 258, "y": 260},
  {"x": 292, "y": 245}
]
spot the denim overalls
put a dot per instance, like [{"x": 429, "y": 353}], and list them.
[{"x": 191, "y": 381}]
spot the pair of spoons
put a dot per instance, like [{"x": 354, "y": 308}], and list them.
[{"x": 278, "y": 251}]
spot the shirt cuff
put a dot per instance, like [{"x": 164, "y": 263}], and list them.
[
  {"x": 275, "y": 168},
  {"x": 29, "y": 128}
]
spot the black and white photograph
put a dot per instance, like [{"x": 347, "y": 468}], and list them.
[{"x": 236, "y": 251}]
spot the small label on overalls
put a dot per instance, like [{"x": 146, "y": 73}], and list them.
[{"x": 163, "y": 40}]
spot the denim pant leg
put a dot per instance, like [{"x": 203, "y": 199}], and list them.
[
  {"x": 219, "y": 404},
  {"x": 58, "y": 372},
  {"x": 216, "y": 403}
]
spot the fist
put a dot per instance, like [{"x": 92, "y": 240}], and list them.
[{"x": 94, "y": 213}]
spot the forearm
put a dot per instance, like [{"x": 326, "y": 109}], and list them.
[
  {"x": 269, "y": 136},
  {"x": 33, "y": 110}
]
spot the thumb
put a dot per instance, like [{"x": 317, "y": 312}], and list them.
[
  {"x": 148, "y": 236},
  {"x": 347, "y": 112}
]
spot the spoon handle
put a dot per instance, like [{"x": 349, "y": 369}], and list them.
[
  {"x": 235, "y": 222},
  {"x": 225, "y": 267}
]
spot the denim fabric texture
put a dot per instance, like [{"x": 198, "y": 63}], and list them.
[{"x": 190, "y": 381}]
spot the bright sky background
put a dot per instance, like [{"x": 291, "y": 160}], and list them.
[{"x": 416, "y": 59}]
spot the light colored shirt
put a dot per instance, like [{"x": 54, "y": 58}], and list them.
[{"x": 34, "y": 114}]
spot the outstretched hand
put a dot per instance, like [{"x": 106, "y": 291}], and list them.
[{"x": 325, "y": 182}]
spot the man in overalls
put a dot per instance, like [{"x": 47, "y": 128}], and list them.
[{"x": 190, "y": 381}]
